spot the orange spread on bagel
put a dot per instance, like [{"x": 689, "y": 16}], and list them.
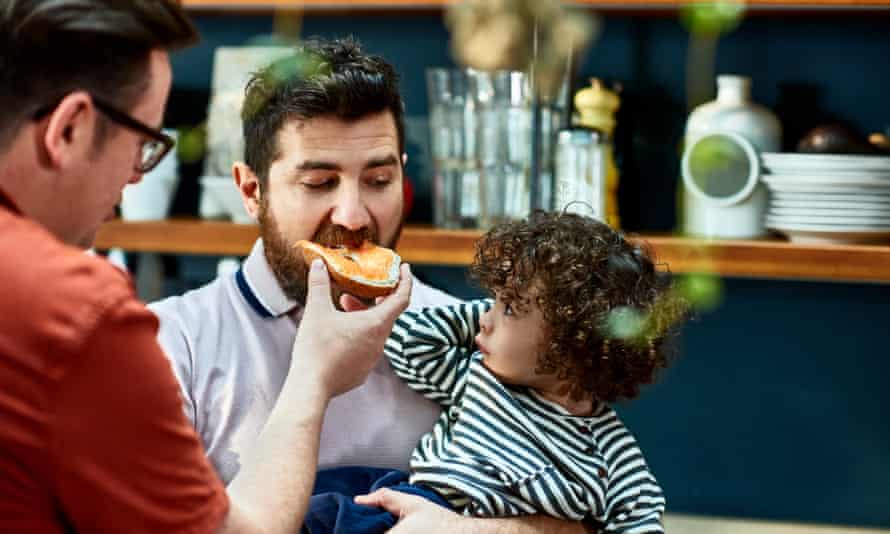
[{"x": 367, "y": 271}]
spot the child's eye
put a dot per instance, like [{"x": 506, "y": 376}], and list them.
[{"x": 508, "y": 309}]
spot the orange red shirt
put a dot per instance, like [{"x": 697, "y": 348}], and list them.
[{"x": 92, "y": 432}]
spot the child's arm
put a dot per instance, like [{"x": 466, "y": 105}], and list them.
[
  {"x": 430, "y": 349},
  {"x": 637, "y": 502}
]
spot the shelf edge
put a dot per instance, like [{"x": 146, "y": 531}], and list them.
[{"x": 424, "y": 245}]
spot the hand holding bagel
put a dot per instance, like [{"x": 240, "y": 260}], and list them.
[{"x": 334, "y": 349}]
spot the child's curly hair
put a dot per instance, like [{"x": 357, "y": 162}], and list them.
[{"x": 608, "y": 310}]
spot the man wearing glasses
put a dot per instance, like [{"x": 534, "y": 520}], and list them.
[
  {"x": 92, "y": 434},
  {"x": 152, "y": 146},
  {"x": 155, "y": 145}
]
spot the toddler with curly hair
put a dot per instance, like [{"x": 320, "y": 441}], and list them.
[{"x": 579, "y": 318}]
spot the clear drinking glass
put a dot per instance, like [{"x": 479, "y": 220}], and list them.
[
  {"x": 553, "y": 119},
  {"x": 503, "y": 141},
  {"x": 482, "y": 142},
  {"x": 453, "y": 147}
]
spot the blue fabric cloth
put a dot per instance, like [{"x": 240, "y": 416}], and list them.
[{"x": 333, "y": 511}]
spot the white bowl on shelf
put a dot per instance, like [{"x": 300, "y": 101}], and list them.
[
  {"x": 832, "y": 211},
  {"x": 876, "y": 195},
  {"x": 831, "y": 220},
  {"x": 151, "y": 197},
  {"x": 817, "y": 234},
  {"x": 811, "y": 188},
  {"x": 836, "y": 202},
  {"x": 220, "y": 199},
  {"x": 880, "y": 181},
  {"x": 792, "y": 162}
]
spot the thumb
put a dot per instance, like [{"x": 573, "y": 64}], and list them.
[{"x": 318, "y": 291}]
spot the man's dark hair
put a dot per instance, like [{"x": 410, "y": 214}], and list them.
[
  {"x": 49, "y": 48},
  {"x": 321, "y": 78},
  {"x": 608, "y": 310}
]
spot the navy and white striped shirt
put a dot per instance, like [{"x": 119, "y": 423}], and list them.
[{"x": 500, "y": 450}]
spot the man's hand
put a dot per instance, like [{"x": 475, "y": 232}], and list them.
[
  {"x": 336, "y": 350},
  {"x": 416, "y": 514}
]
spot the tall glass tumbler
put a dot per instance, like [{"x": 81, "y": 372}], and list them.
[
  {"x": 453, "y": 146},
  {"x": 553, "y": 117},
  {"x": 503, "y": 144}
]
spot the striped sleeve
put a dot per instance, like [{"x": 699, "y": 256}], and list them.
[
  {"x": 430, "y": 349},
  {"x": 640, "y": 517},
  {"x": 636, "y": 501},
  {"x": 640, "y": 505}
]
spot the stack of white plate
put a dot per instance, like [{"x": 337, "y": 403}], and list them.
[{"x": 828, "y": 198}]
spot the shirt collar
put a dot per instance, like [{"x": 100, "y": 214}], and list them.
[{"x": 260, "y": 288}]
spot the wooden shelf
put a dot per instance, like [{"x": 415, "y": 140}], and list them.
[
  {"x": 179, "y": 236},
  {"x": 424, "y": 245},
  {"x": 435, "y": 4}
]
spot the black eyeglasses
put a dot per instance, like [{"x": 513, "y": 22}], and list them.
[{"x": 154, "y": 148}]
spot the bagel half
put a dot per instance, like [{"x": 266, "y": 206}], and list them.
[{"x": 368, "y": 271}]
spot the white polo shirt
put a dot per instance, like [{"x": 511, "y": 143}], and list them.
[{"x": 230, "y": 345}]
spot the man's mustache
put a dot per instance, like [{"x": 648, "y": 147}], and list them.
[{"x": 333, "y": 236}]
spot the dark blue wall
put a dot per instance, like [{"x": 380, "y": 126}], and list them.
[{"x": 778, "y": 404}]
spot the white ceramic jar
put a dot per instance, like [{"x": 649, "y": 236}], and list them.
[{"x": 732, "y": 113}]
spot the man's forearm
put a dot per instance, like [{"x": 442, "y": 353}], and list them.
[{"x": 275, "y": 482}]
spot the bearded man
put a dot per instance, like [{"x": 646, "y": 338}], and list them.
[{"x": 324, "y": 157}]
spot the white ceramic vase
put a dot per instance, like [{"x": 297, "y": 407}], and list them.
[{"x": 733, "y": 111}]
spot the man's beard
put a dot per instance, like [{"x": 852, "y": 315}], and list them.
[{"x": 287, "y": 262}]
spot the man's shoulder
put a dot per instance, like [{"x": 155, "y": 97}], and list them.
[
  {"x": 191, "y": 321},
  {"x": 196, "y": 307},
  {"x": 37, "y": 259},
  {"x": 38, "y": 268},
  {"x": 427, "y": 296},
  {"x": 54, "y": 289}
]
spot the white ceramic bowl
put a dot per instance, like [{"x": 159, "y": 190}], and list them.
[
  {"x": 220, "y": 198},
  {"x": 150, "y": 199}
]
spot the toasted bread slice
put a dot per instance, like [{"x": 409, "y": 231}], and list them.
[{"x": 368, "y": 271}]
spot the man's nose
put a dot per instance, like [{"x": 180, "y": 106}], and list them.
[{"x": 350, "y": 211}]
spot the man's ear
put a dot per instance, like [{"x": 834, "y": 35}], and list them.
[
  {"x": 70, "y": 130},
  {"x": 249, "y": 186}
]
